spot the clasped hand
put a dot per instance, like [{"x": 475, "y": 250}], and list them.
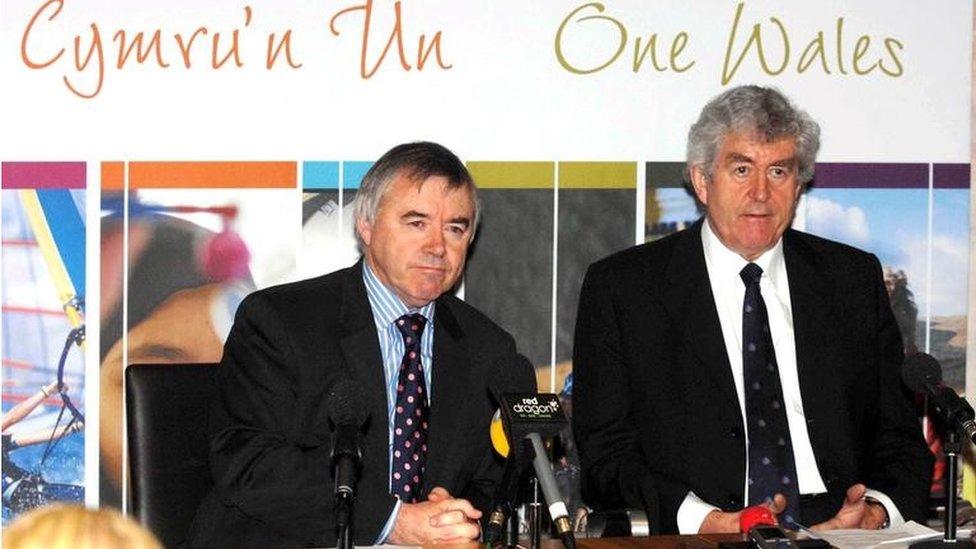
[{"x": 441, "y": 519}]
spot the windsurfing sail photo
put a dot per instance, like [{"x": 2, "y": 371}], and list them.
[{"x": 43, "y": 339}]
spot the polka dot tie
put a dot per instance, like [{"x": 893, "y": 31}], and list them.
[
  {"x": 772, "y": 469},
  {"x": 410, "y": 417}
]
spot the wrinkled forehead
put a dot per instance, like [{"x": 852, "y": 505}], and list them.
[
  {"x": 756, "y": 144},
  {"x": 750, "y": 132}
]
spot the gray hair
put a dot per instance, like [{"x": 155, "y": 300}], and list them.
[
  {"x": 764, "y": 112},
  {"x": 417, "y": 162}
]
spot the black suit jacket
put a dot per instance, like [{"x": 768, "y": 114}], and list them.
[
  {"x": 270, "y": 433},
  {"x": 656, "y": 411}
]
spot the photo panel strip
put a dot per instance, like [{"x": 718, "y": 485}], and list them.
[
  {"x": 510, "y": 265},
  {"x": 596, "y": 219},
  {"x": 200, "y": 236},
  {"x": 329, "y": 191},
  {"x": 950, "y": 248},
  {"x": 43, "y": 327},
  {"x": 669, "y": 204}
]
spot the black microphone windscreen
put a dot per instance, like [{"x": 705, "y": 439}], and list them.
[
  {"x": 512, "y": 378},
  {"x": 347, "y": 403},
  {"x": 921, "y": 370}
]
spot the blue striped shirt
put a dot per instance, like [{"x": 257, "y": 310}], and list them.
[{"x": 387, "y": 307}]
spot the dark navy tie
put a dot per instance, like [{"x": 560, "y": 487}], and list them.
[
  {"x": 410, "y": 417},
  {"x": 772, "y": 469}
]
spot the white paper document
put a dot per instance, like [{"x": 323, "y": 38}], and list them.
[{"x": 890, "y": 538}]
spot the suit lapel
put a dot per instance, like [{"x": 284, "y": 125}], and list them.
[
  {"x": 361, "y": 351},
  {"x": 691, "y": 304},
  {"x": 811, "y": 297},
  {"x": 449, "y": 398}
]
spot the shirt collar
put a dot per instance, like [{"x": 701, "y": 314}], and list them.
[
  {"x": 386, "y": 304},
  {"x": 724, "y": 260}
]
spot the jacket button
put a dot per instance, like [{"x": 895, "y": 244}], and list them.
[
  {"x": 734, "y": 501},
  {"x": 735, "y": 432}
]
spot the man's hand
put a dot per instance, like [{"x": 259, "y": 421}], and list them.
[
  {"x": 438, "y": 494},
  {"x": 856, "y": 512},
  {"x": 719, "y": 522},
  {"x": 441, "y": 519}
]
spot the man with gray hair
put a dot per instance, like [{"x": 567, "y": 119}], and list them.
[
  {"x": 427, "y": 364},
  {"x": 742, "y": 363}
]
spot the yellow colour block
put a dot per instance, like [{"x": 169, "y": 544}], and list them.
[
  {"x": 513, "y": 175},
  {"x": 597, "y": 175}
]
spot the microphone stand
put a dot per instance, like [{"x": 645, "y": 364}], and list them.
[
  {"x": 952, "y": 445},
  {"x": 507, "y": 500},
  {"x": 343, "y": 513},
  {"x": 511, "y": 528},
  {"x": 535, "y": 517},
  {"x": 346, "y": 455}
]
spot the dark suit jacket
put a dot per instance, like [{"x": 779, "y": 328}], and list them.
[
  {"x": 656, "y": 411},
  {"x": 270, "y": 433}
]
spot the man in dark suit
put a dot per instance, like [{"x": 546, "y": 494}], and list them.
[
  {"x": 740, "y": 362},
  {"x": 427, "y": 364}
]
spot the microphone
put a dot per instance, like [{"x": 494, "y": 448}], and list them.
[
  {"x": 503, "y": 501},
  {"x": 923, "y": 374},
  {"x": 532, "y": 416},
  {"x": 503, "y": 504},
  {"x": 348, "y": 415},
  {"x": 557, "y": 507}
]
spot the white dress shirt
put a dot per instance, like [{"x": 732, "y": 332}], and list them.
[{"x": 728, "y": 290}]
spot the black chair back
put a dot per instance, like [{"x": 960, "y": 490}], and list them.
[{"x": 168, "y": 412}]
